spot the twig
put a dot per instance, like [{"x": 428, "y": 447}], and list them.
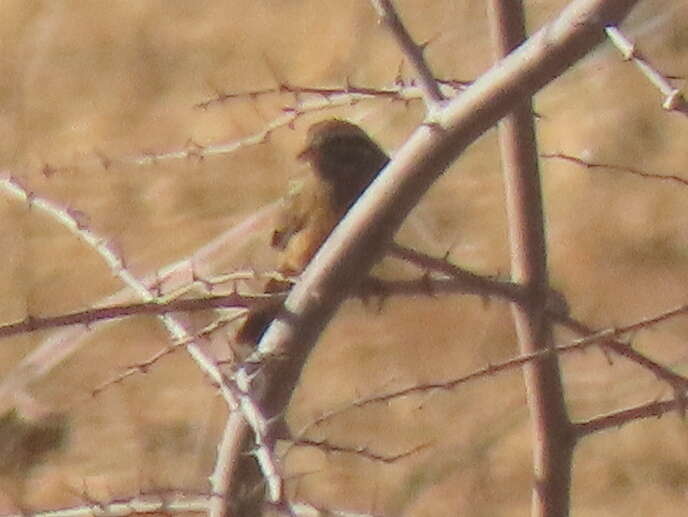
[
  {"x": 363, "y": 452},
  {"x": 621, "y": 168},
  {"x": 86, "y": 317},
  {"x": 146, "y": 504},
  {"x": 673, "y": 98},
  {"x": 603, "y": 337},
  {"x": 349, "y": 93},
  {"x": 143, "y": 367},
  {"x": 234, "y": 397},
  {"x": 431, "y": 91},
  {"x": 467, "y": 282},
  {"x": 618, "y": 418},
  {"x": 676, "y": 381},
  {"x": 220, "y": 479},
  {"x": 61, "y": 345}
]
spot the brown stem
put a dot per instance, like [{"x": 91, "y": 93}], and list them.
[{"x": 553, "y": 437}]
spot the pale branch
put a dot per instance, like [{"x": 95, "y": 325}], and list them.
[
  {"x": 673, "y": 98},
  {"x": 414, "y": 53},
  {"x": 620, "y": 168},
  {"x": 157, "y": 503},
  {"x": 77, "y": 223},
  {"x": 310, "y": 510},
  {"x": 308, "y": 99},
  {"x": 144, "y": 366},
  {"x": 60, "y": 345},
  {"x": 364, "y": 452},
  {"x": 196, "y": 151},
  {"x": 342, "y": 95},
  {"x": 228, "y": 451}
]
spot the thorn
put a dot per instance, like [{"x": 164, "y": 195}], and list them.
[
  {"x": 156, "y": 287},
  {"x": 30, "y": 322},
  {"x": 80, "y": 218},
  {"x": 267, "y": 136},
  {"x": 194, "y": 150},
  {"x": 680, "y": 397},
  {"x": 48, "y": 170},
  {"x": 426, "y": 280},
  {"x": 105, "y": 162},
  {"x": 282, "y": 83},
  {"x": 433, "y": 124},
  {"x": 607, "y": 355},
  {"x": 399, "y": 78},
  {"x": 116, "y": 250},
  {"x": 372, "y": 289},
  {"x": 674, "y": 101},
  {"x": 432, "y": 39},
  {"x": 150, "y": 156},
  {"x": 30, "y": 197},
  {"x": 285, "y": 87}
]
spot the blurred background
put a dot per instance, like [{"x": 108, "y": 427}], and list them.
[{"x": 87, "y": 87}]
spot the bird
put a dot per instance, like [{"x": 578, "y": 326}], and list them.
[{"x": 342, "y": 160}]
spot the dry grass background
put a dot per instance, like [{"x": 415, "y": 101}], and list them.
[{"x": 78, "y": 79}]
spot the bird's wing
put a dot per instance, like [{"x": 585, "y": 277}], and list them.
[{"x": 292, "y": 216}]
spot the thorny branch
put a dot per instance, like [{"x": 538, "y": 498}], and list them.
[
  {"x": 389, "y": 16},
  {"x": 673, "y": 98}
]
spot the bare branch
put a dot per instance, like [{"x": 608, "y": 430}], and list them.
[
  {"x": 389, "y": 16},
  {"x": 676, "y": 381},
  {"x": 552, "y": 436},
  {"x": 62, "y": 344},
  {"x": 463, "y": 281},
  {"x": 145, "y": 504},
  {"x": 86, "y": 317},
  {"x": 673, "y": 98},
  {"x": 338, "y": 95},
  {"x": 621, "y": 168},
  {"x": 363, "y": 452},
  {"x": 616, "y": 419}
]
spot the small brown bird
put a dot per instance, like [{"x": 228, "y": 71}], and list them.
[{"x": 343, "y": 161}]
